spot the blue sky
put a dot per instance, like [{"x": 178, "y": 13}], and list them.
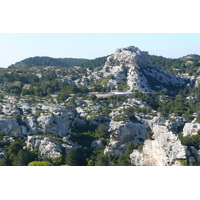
[{"x": 15, "y": 47}]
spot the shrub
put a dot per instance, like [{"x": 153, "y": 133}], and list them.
[
  {"x": 40, "y": 163},
  {"x": 183, "y": 162}
]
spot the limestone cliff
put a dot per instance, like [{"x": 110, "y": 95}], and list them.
[
  {"x": 132, "y": 66},
  {"x": 164, "y": 150}
]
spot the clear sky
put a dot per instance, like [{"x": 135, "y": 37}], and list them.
[{"x": 15, "y": 47}]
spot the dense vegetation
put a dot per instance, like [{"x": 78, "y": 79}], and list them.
[
  {"x": 180, "y": 65},
  {"x": 34, "y": 79},
  {"x": 48, "y": 61},
  {"x": 97, "y": 62}
]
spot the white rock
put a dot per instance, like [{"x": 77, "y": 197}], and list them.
[
  {"x": 55, "y": 124},
  {"x": 191, "y": 129},
  {"x": 165, "y": 150},
  {"x": 47, "y": 147},
  {"x": 9, "y": 125},
  {"x": 122, "y": 133}
]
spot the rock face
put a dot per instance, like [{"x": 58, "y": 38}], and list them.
[
  {"x": 9, "y": 125},
  {"x": 164, "y": 150},
  {"x": 48, "y": 147},
  {"x": 191, "y": 129},
  {"x": 132, "y": 66},
  {"x": 122, "y": 133},
  {"x": 57, "y": 125},
  {"x": 97, "y": 144}
]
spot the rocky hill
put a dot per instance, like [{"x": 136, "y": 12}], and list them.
[
  {"x": 122, "y": 109},
  {"x": 48, "y": 61}
]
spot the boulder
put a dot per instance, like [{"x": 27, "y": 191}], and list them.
[
  {"x": 191, "y": 129},
  {"x": 9, "y": 126},
  {"x": 54, "y": 124},
  {"x": 46, "y": 146}
]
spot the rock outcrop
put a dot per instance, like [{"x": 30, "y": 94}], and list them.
[
  {"x": 57, "y": 125},
  {"x": 46, "y": 146},
  {"x": 191, "y": 129},
  {"x": 132, "y": 66},
  {"x": 9, "y": 126},
  {"x": 164, "y": 150},
  {"x": 49, "y": 148},
  {"x": 122, "y": 133}
]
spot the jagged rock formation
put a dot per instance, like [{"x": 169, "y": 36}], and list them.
[
  {"x": 52, "y": 118},
  {"x": 57, "y": 125},
  {"x": 49, "y": 148},
  {"x": 132, "y": 66},
  {"x": 46, "y": 146},
  {"x": 191, "y": 129},
  {"x": 121, "y": 134},
  {"x": 9, "y": 125},
  {"x": 164, "y": 150}
]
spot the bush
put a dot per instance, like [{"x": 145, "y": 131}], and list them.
[
  {"x": 183, "y": 162},
  {"x": 40, "y": 163}
]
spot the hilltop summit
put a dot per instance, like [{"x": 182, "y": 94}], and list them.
[
  {"x": 131, "y": 68},
  {"x": 130, "y": 55}
]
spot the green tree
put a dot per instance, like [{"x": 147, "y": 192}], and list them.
[
  {"x": 101, "y": 131},
  {"x": 3, "y": 162},
  {"x": 23, "y": 157},
  {"x": 101, "y": 160},
  {"x": 71, "y": 158},
  {"x": 59, "y": 160}
]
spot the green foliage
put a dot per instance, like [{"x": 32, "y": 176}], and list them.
[
  {"x": 97, "y": 62},
  {"x": 62, "y": 96},
  {"x": 120, "y": 117},
  {"x": 16, "y": 90},
  {"x": 3, "y": 162},
  {"x": 39, "y": 163},
  {"x": 105, "y": 80},
  {"x": 176, "y": 66},
  {"x": 101, "y": 160},
  {"x": 190, "y": 140},
  {"x": 101, "y": 131},
  {"x": 47, "y": 61},
  {"x": 123, "y": 86},
  {"x": 23, "y": 157},
  {"x": 90, "y": 163},
  {"x": 59, "y": 160},
  {"x": 71, "y": 158},
  {"x": 92, "y": 97},
  {"x": 184, "y": 162},
  {"x": 198, "y": 119},
  {"x": 149, "y": 135}
]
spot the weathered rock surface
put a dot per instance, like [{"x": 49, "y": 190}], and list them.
[
  {"x": 57, "y": 125},
  {"x": 191, "y": 129},
  {"x": 50, "y": 148},
  {"x": 46, "y": 146},
  {"x": 164, "y": 150},
  {"x": 9, "y": 125},
  {"x": 132, "y": 66},
  {"x": 122, "y": 133}
]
